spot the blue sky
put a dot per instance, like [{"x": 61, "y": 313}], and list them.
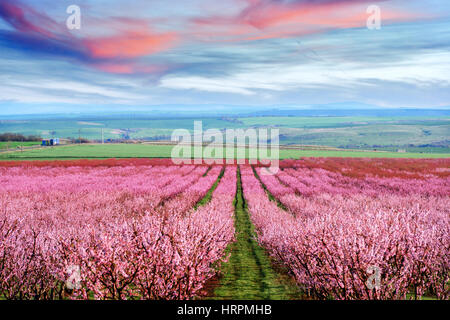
[{"x": 232, "y": 52}]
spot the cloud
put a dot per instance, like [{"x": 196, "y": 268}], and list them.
[
  {"x": 421, "y": 70},
  {"x": 269, "y": 19},
  {"x": 206, "y": 84},
  {"x": 18, "y": 18},
  {"x": 307, "y": 52},
  {"x": 119, "y": 53},
  {"x": 130, "y": 44},
  {"x": 130, "y": 40}
]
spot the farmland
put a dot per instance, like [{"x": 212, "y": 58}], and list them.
[
  {"x": 15, "y": 144},
  {"x": 99, "y": 151},
  {"x": 426, "y": 133},
  {"x": 148, "y": 229}
]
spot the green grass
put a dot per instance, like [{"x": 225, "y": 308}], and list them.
[
  {"x": 334, "y": 122},
  {"x": 295, "y": 154},
  {"x": 248, "y": 273},
  {"x": 369, "y": 136},
  {"x": 310, "y": 122},
  {"x": 164, "y": 151},
  {"x": 416, "y": 149},
  {"x": 15, "y": 144},
  {"x": 208, "y": 195},
  {"x": 269, "y": 194},
  {"x": 91, "y": 152}
]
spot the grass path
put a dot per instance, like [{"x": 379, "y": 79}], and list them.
[
  {"x": 208, "y": 195},
  {"x": 249, "y": 272}
]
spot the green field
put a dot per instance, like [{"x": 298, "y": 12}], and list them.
[
  {"x": 112, "y": 128},
  {"x": 15, "y": 144},
  {"x": 164, "y": 151},
  {"x": 371, "y": 136}
]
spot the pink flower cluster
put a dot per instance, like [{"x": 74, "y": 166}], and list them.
[
  {"x": 106, "y": 233},
  {"x": 336, "y": 230},
  {"x": 313, "y": 181}
]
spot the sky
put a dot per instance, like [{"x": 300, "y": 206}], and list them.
[{"x": 190, "y": 53}]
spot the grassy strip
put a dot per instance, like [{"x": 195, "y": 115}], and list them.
[
  {"x": 206, "y": 172},
  {"x": 269, "y": 194},
  {"x": 119, "y": 151},
  {"x": 14, "y": 144},
  {"x": 248, "y": 273},
  {"x": 208, "y": 196}
]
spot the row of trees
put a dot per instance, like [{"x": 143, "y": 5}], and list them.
[{"x": 8, "y": 136}]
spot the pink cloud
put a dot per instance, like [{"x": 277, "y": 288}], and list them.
[
  {"x": 275, "y": 19},
  {"x": 130, "y": 44}
]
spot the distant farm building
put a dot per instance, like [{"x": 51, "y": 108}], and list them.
[{"x": 50, "y": 142}]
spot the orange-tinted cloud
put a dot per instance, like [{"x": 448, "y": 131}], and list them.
[
  {"x": 130, "y": 44},
  {"x": 263, "y": 19}
]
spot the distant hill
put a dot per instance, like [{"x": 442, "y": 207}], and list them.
[
  {"x": 341, "y": 109},
  {"x": 351, "y": 113}
]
